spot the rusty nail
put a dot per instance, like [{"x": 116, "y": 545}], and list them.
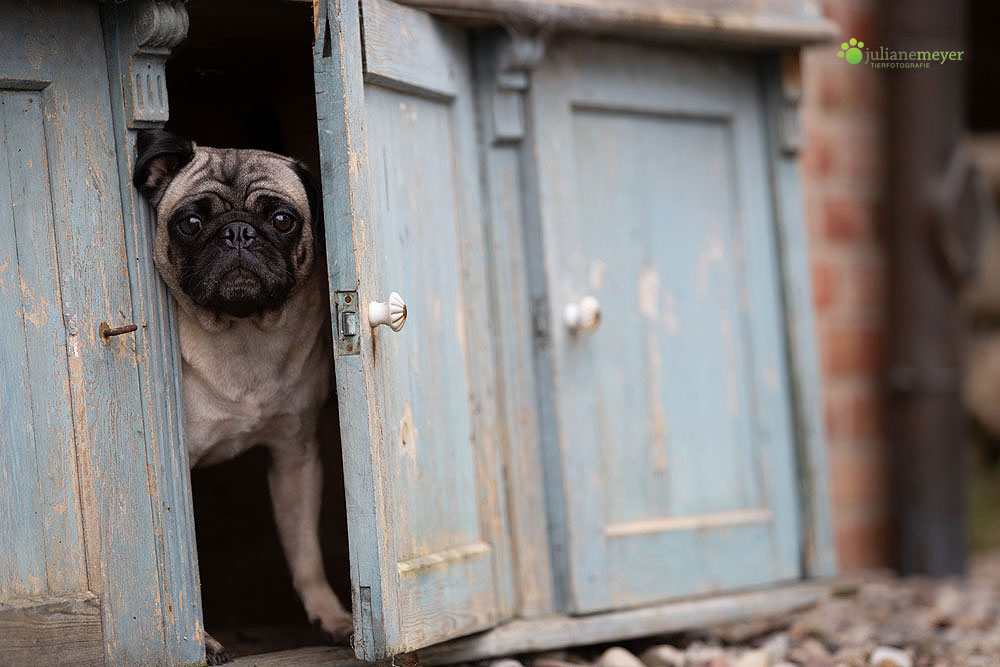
[
  {"x": 107, "y": 331},
  {"x": 347, "y": 299}
]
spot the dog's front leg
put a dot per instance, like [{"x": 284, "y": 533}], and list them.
[{"x": 296, "y": 482}]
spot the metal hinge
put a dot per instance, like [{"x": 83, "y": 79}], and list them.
[
  {"x": 348, "y": 323},
  {"x": 540, "y": 319}
]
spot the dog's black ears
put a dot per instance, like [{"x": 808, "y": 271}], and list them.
[
  {"x": 314, "y": 194},
  {"x": 159, "y": 156}
]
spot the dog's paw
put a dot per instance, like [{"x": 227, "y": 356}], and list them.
[
  {"x": 216, "y": 653},
  {"x": 339, "y": 631}
]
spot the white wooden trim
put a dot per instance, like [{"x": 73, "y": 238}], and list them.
[
  {"x": 470, "y": 550},
  {"x": 692, "y": 522},
  {"x": 745, "y": 23}
]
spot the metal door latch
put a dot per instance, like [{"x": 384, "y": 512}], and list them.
[{"x": 348, "y": 323}]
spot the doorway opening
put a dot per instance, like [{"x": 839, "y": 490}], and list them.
[{"x": 243, "y": 79}]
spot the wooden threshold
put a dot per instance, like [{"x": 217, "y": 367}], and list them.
[
  {"x": 309, "y": 656},
  {"x": 54, "y": 631},
  {"x": 553, "y": 632}
]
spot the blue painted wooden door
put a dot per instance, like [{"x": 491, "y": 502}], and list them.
[
  {"x": 86, "y": 519},
  {"x": 421, "y": 454},
  {"x": 673, "y": 415}
]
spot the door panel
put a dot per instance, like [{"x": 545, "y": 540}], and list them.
[
  {"x": 425, "y": 511},
  {"x": 74, "y": 475},
  {"x": 673, "y": 415}
]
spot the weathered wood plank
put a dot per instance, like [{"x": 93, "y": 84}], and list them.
[
  {"x": 558, "y": 632},
  {"x": 45, "y": 340},
  {"x": 344, "y": 169},
  {"x": 418, "y": 427},
  {"x": 653, "y": 198},
  {"x": 542, "y": 634},
  {"x": 513, "y": 328},
  {"x": 61, "y": 43},
  {"x": 22, "y": 570},
  {"x": 436, "y": 380},
  {"x": 738, "y": 23},
  {"x": 409, "y": 49},
  {"x": 52, "y": 632},
  {"x": 310, "y": 656},
  {"x": 819, "y": 552},
  {"x": 126, "y": 26}
]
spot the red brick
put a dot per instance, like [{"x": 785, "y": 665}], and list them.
[
  {"x": 857, "y": 480},
  {"x": 824, "y": 284},
  {"x": 856, "y": 152},
  {"x": 864, "y": 285},
  {"x": 845, "y": 220},
  {"x": 853, "y": 415},
  {"x": 852, "y": 350},
  {"x": 862, "y": 544},
  {"x": 849, "y": 91},
  {"x": 813, "y": 205},
  {"x": 855, "y": 20},
  {"x": 817, "y": 159}
]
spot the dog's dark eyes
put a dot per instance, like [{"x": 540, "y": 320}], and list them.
[
  {"x": 189, "y": 226},
  {"x": 283, "y": 222}
]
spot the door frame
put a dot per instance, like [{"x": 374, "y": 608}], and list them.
[{"x": 98, "y": 626}]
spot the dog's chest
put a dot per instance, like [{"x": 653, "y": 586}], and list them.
[{"x": 246, "y": 386}]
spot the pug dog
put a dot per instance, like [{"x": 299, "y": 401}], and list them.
[{"x": 235, "y": 243}]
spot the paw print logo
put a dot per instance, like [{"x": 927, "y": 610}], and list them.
[{"x": 851, "y": 51}]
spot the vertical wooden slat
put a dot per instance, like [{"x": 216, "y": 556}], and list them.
[
  {"x": 818, "y": 552},
  {"x": 338, "y": 73},
  {"x": 22, "y": 570},
  {"x": 45, "y": 341},
  {"x": 501, "y": 156},
  {"x": 125, "y": 27}
]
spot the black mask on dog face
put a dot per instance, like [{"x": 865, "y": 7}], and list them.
[{"x": 235, "y": 227}]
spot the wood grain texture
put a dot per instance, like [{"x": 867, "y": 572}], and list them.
[
  {"x": 737, "y": 23},
  {"x": 544, "y": 634},
  {"x": 819, "y": 553},
  {"x": 344, "y": 169},
  {"x": 653, "y": 190},
  {"x": 310, "y": 656},
  {"x": 55, "y": 631},
  {"x": 418, "y": 424},
  {"x": 41, "y": 302},
  {"x": 514, "y": 335},
  {"x": 77, "y": 271},
  {"x": 22, "y": 571},
  {"x": 158, "y": 357},
  {"x": 410, "y": 49}
]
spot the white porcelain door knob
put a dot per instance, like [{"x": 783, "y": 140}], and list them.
[
  {"x": 391, "y": 313},
  {"x": 582, "y": 316}
]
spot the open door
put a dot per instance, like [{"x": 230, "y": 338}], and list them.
[{"x": 429, "y": 558}]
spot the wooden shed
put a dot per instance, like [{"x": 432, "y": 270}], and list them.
[{"x": 602, "y": 417}]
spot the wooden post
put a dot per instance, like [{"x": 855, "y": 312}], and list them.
[{"x": 924, "y": 417}]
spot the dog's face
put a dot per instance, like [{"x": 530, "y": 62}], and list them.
[{"x": 234, "y": 228}]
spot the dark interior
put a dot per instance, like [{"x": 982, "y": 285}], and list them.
[{"x": 243, "y": 78}]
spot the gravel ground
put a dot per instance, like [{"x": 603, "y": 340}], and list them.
[{"x": 876, "y": 620}]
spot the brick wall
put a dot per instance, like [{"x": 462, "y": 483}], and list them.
[{"x": 843, "y": 183}]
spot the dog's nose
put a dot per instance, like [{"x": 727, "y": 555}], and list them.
[{"x": 238, "y": 235}]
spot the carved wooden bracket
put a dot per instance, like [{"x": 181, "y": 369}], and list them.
[
  {"x": 520, "y": 54},
  {"x": 515, "y": 57},
  {"x": 789, "y": 119},
  {"x": 157, "y": 27}
]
